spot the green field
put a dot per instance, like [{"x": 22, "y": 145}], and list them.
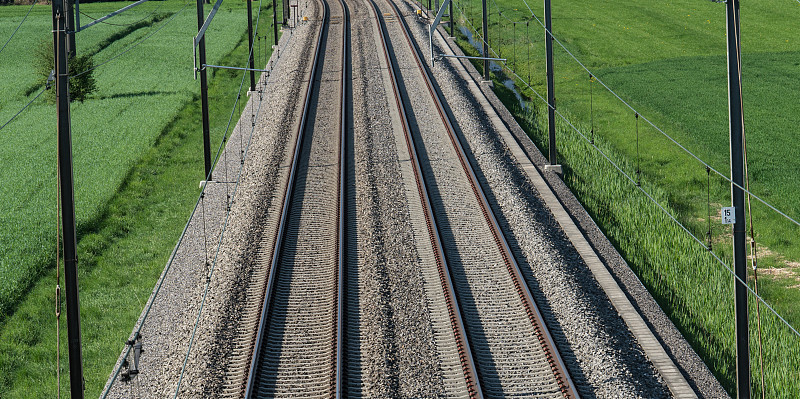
[
  {"x": 138, "y": 157},
  {"x": 139, "y": 94},
  {"x": 668, "y": 61}
]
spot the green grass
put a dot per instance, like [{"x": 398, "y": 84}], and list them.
[
  {"x": 138, "y": 95},
  {"x": 668, "y": 61},
  {"x": 769, "y": 79},
  {"x": 681, "y": 275},
  {"x": 143, "y": 186}
]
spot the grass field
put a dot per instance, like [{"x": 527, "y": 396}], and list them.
[
  {"x": 681, "y": 275},
  {"x": 138, "y": 156},
  {"x": 139, "y": 94},
  {"x": 668, "y": 61}
]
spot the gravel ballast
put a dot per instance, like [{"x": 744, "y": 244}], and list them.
[
  {"x": 395, "y": 326},
  {"x": 390, "y": 337},
  {"x": 681, "y": 353},
  {"x": 560, "y": 278},
  {"x": 603, "y": 357},
  {"x": 167, "y": 329}
]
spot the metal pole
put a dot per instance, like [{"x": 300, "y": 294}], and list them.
[
  {"x": 485, "y": 42},
  {"x": 452, "y": 21},
  {"x": 60, "y": 18},
  {"x": 551, "y": 94},
  {"x": 204, "y": 93},
  {"x": 275, "y": 21},
  {"x": 285, "y": 12},
  {"x": 737, "y": 195},
  {"x": 77, "y": 14},
  {"x": 250, "y": 40},
  {"x": 71, "y": 49}
]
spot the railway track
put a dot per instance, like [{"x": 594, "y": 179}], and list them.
[
  {"x": 511, "y": 351},
  {"x": 459, "y": 338},
  {"x": 374, "y": 195},
  {"x": 495, "y": 336},
  {"x": 297, "y": 350}
]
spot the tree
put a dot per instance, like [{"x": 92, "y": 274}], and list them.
[{"x": 80, "y": 86}]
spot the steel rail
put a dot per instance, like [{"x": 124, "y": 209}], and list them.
[
  {"x": 560, "y": 372},
  {"x": 346, "y": 65},
  {"x": 290, "y": 182},
  {"x": 454, "y": 312}
]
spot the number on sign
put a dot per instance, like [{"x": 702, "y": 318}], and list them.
[{"x": 728, "y": 216}]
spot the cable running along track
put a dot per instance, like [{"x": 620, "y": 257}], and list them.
[
  {"x": 297, "y": 350},
  {"x": 488, "y": 320}
]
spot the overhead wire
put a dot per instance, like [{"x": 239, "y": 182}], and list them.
[
  {"x": 24, "y": 108},
  {"x": 181, "y": 239},
  {"x": 673, "y": 140},
  {"x": 18, "y": 26},
  {"x": 227, "y": 216},
  {"x": 161, "y": 3},
  {"x": 134, "y": 45},
  {"x": 640, "y": 187},
  {"x": 113, "y": 14}
]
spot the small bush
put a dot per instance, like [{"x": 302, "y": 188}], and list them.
[{"x": 80, "y": 86}]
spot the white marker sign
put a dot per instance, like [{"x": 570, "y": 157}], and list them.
[{"x": 727, "y": 215}]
